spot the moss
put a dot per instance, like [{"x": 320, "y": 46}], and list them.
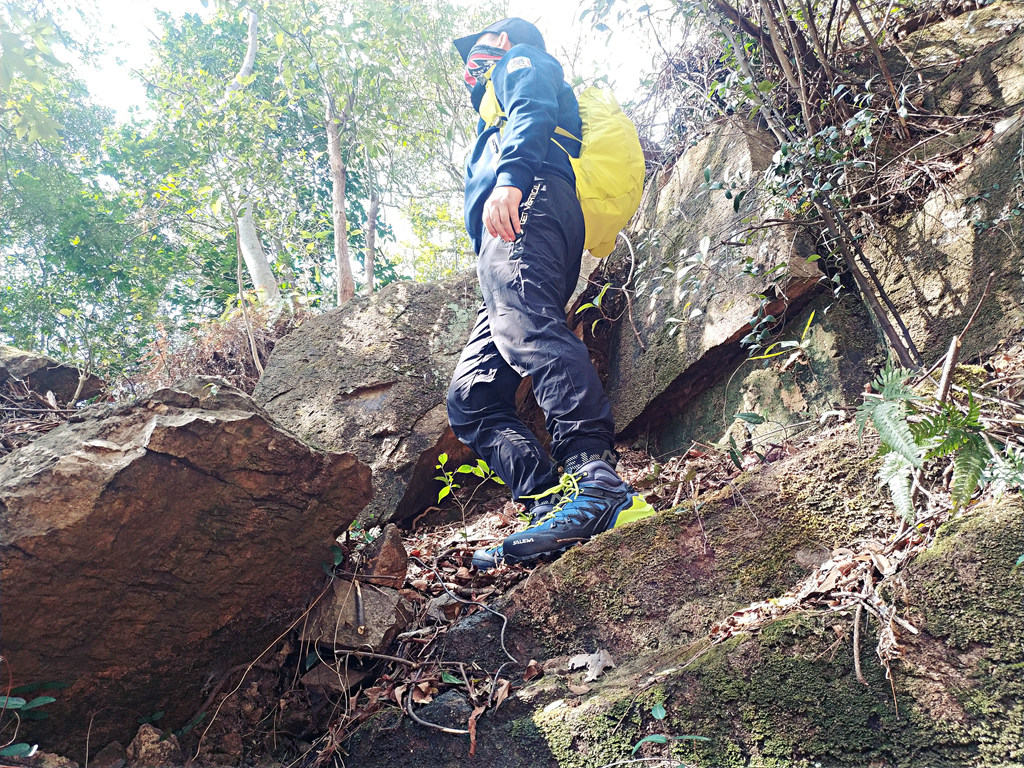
[{"x": 590, "y": 733}]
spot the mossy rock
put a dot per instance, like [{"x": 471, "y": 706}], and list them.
[
  {"x": 788, "y": 696},
  {"x": 664, "y": 580}
]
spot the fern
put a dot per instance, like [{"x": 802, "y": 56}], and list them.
[
  {"x": 890, "y": 419},
  {"x": 968, "y": 467},
  {"x": 897, "y": 473},
  {"x": 946, "y": 432},
  {"x": 1006, "y": 471},
  {"x": 891, "y": 383}
]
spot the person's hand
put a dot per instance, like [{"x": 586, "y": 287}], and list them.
[{"x": 501, "y": 213}]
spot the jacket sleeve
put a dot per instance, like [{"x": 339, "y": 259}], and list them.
[{"x": 526, "y": 82}]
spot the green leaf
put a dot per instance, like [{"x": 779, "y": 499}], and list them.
[
  {"x": 588, "y": 305},
  {"x": 279, "y": 39},
  {"x": 448, "y": 677},
  {"x": 39, "y": 701},
  {"x": 897, "y": 473},
  {"x": 465, "y": 469},
  {"x": 658, "y": 712},
  {"x": 1020, "y": 561},
  {"x": 11, "y": 702},
  {"x": 444, "y": 492},
  {"x": 751, "y": 418},
  {"x": 19, "y": 750},
  {"x": 655, "y": 738},
  {"x": 191, "y": 724},
  {"x": 891, "y": 422},
  {"x": 968, "y": 466}
]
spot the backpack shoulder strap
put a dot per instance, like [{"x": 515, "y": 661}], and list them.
[{"x": 490, "y": 108}]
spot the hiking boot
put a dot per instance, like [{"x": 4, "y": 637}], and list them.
[
  {"x": 485, "y": 559},
  {"x": 594, "y": 499}
]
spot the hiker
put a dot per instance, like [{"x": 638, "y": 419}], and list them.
[{"x": 525, "y": 222}]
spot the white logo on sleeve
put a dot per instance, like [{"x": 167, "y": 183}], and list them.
[{"x": 519, "y": 62}]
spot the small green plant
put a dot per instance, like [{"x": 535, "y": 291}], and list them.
[
  {"x": 659, "y": 713},
  {"x": 450, "y": 484},
  {"x": 596, "y": 304},
  {"x": 796, "y": 349},
  {"x": 915, "y": 430},
  {"x": 21, "y": 708}
]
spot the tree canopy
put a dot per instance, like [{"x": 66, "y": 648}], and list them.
[{"x": 277, "y": 143}]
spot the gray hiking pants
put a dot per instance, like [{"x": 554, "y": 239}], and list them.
[{"x": 520, "y": 331}]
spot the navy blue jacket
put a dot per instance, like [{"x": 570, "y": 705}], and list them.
[{"x": 533, "y": 94}]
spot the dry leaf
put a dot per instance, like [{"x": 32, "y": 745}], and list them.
[
  {"x": 424, "y": 692},
  {"x": 883, "y": 564},
  {"x": 595, "y": 663},
  {"x": 504, "y": 686},
  {"x": 443, "y": 608},
  {"x": 477, "y": 711},
  {"x": 579, "y": 690},
  {"x": 532, "y": 670}
]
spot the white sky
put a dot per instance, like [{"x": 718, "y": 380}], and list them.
[{"x": 132, "y": 26}]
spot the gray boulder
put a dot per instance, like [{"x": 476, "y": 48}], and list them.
[
  {"x": 694, "y": 301},
  {"x": 371, "y": 378}
]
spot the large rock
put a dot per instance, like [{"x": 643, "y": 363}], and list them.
[
  {"x": 935, "y": 261},
  {"x": 971, "y": 63},
  {"x": 823, "y": 379},
  {"x": 148, "y": 549},
  {"x": 693, "y": 306},
  {"x": 44, "y": 374},
  {"x": 371, "y": 378},
  {"x": 664, "y": 581}
]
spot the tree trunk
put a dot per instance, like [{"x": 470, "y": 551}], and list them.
[
  {"x": 255, "y": 257},
  {"x": 371, "y": 240},
  {"x": 346, "y": 285},
  {"x": 370, "y": 255}
]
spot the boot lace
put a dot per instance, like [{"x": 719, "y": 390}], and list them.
[{"x": 568, "y": 488}]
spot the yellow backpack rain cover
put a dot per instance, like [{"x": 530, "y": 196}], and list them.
[{"x": 610, "y": 168}]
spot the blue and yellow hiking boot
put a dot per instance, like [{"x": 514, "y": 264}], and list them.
[
  {"x": 594, "y": 499},
  {"x": 485, "y": 559}
]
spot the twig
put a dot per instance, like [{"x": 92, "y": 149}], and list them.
[
  {"x": 625, "y": 292},
  {"x": 418, "y": 719},
  {"x": 904, "y": 131},
  {"x": 952, "y": 357},
  {"x": 984, "y": 295},
  {"x": 503, "y": 617},
  {"x": 856, "y": 644}
]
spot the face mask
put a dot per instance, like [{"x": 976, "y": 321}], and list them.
[{"x": 479, "y": 62}]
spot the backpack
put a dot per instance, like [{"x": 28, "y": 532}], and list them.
[{"x": 610, "y": 168}]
